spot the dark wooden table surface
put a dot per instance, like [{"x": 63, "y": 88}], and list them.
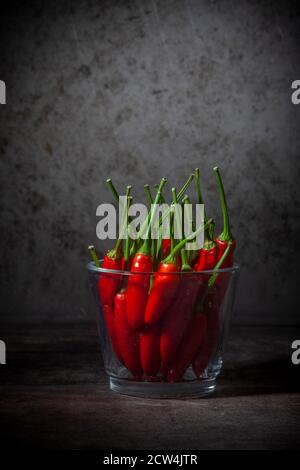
[{"x": 54, "y": 394}]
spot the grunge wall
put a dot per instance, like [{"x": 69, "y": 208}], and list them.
[{"x": 135, "y": 90}]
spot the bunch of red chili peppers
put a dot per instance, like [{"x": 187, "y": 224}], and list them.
[{"x": 162, "y": 318}]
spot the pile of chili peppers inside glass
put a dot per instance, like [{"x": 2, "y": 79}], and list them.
[{"x": 160, "y": 318}]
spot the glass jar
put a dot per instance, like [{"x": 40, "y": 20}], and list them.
[{"x": 178, "y": 355}]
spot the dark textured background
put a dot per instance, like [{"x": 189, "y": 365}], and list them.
[{"x": 135, "y": 90}]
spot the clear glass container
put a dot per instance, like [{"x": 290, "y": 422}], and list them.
[{"x": 180, "y": 354}]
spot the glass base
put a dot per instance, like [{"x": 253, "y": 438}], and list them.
[{"x": 193, "y": 388}]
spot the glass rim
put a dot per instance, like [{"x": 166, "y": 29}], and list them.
[{"x": 92, "y": 268}]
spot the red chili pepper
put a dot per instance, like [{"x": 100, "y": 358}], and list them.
[
  {"x": 208, "y": 258},
  {"x": 162, "y": 292},
  {"x": 200, "y": 201},
  {"x": 139, "y": 284},
  {"x": 205, "y": 353},
  {"x": 180, "y": 313},
  {"x": 223, "y": 240},
  {"x": 165, "y": 283},
  {"x": 209, "y": 303},
  {"x": 108, "y": 283},
  {"x": 165, "y": 247},
  {"x": 177, "y": 318},
  {"x": 191, "y": 343},
  {"x": 107, "y": 309},
  {"x": 150, "y": 337},
  {"x": 225, "y": 237},
  {"x": 128, "y": 341},
  {"x": 209, "y": 254},
  {"x": 188, "y": 348},
  {"x": 111, "y": 328},
  {"x": 223, "y": 256},
  {"x": 137, "y": 290},
  {"x": 164, "y": 288},
  {"x": 150, "y": 354}
]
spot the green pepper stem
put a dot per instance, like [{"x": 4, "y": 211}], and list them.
[
  {"x": 153, "y": 251},
  {"x": 145, "y": 224},
  {"x": 133, "y": 248},
  {"x": 153, "y": 242},
  {"x": 182, "y": 243},
  {"x": 172, "y": 220},
  {"x": 214, "y": 276},
  {"x": 181, "y": 193},
  {"x": 128, "y": 190},
  {"x": 185, "y": 265},
  {"x": 93, "y": 254},
  {"x": 211, "y": 230},
  {"x": 186, "y": 200},
  {"x": 159, "y": 244},
  {"x": 162, "y": 199},
  {"x": 209, "y": 242},
  {"x": 113, "y": 189},
  {"x": 145, "y": 249},
  {"x": 226, "y": 233},
  {"x": 127, "y": 241},
  {"x": 179, "y": 196},
  {"x": 167, "y": 211},
  {"x": 199, "y": 193},
  {"x": 198, "y": 187},
  {"x": 176, "y": 214},
  {"x": 155, "y": 202},
  {"x": 159, "y": 241},
  {"x": 118, "y": 246},
  {"x": 148, "y": 193}
]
